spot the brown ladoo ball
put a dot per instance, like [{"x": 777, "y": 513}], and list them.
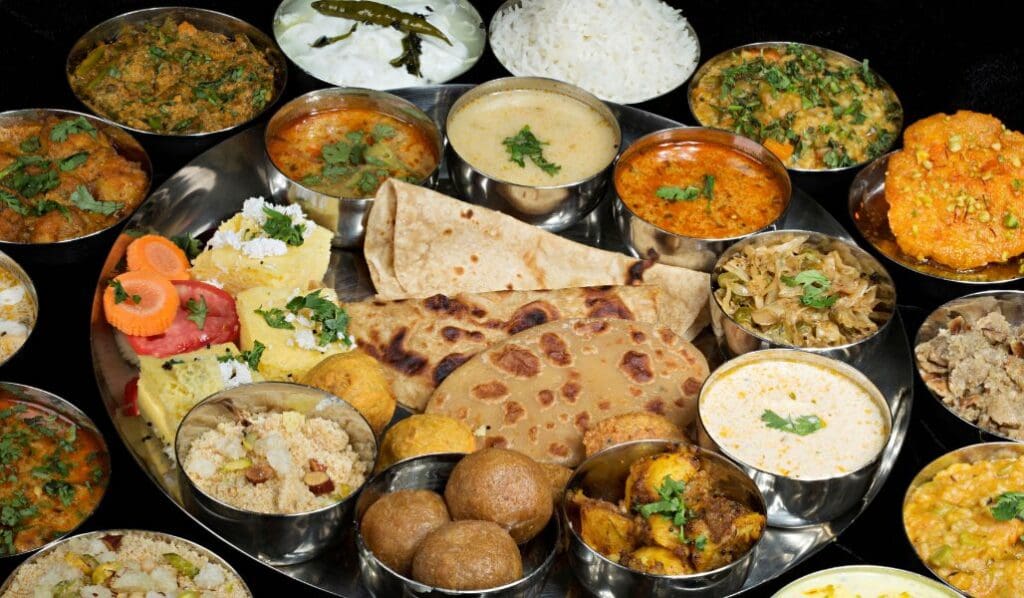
[
  {"x": 395, "y": 525},
  {"x": 467, "y": 555},
  {"x": 502, "y": 486}
]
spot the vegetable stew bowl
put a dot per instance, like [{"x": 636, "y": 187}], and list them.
[{"x": 77, "y": 249}]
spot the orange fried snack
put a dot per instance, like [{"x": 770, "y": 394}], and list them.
[{"x": 956, "y": 190}]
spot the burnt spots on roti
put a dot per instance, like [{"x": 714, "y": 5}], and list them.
[
  {"x": 555, "y": 349},
  {"x": 637, "y": 366},
  {"x": 532, "y": 314},
  {"x": 490, "y": 390},
  {"x": 454, "y": 333},
  {"x": 517, "y": 361},
  {"x": 447, "y": 365},
  {"x": 395, "y": 355}
]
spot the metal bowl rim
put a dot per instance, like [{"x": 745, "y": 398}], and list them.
[
  {"x": 240, "y": 26},
  {"x": 811, "y": 234},
  {"x": 685, "y": 129},
  {"x": 593, "y": 102},
  {"x": 146, "y": 165},
  {"x": 30, "y": 286},
  {"x": 1006, "y": 294},
  {"x": 790, "y": 354},
  {"x": 867, "y": 568},
  {"x": 699, "y": 74},
  {"x": 256, "y": 514},
  {"x": 571, "y": 485},
  {"x": 507, "y": 4},
  {"x": 69, "y": 407}
]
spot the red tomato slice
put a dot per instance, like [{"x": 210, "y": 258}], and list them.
[
  {"x": 130, "y": 408},
  {"x": 184, "y": 335}
]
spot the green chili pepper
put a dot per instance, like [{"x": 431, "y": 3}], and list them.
[
  {"x": 375, "y": 13},
  {"x": 324, "y": 41}
]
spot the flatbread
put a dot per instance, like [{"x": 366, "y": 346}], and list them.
[
  {"x": 539, "y": 391},
  {"x": 420, "y": 242},
  {"x": 421, "y": 341}
]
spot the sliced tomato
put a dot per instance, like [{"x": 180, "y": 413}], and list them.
[
  {"x": 130, "y": 408},
  {"x": 184, "y": 335}
]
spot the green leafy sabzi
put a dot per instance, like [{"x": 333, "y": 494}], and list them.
[
  {"x": 525, "y": 144},
  {"x": 802, "y": 425},
  {"x": 815, "y": 286},
  {"x": 672, "y": 504}
]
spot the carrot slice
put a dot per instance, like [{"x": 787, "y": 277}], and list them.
[
  {"x": 147, "y": 306},
  {"x": 158, "y": 254},
  {"x": 783, "y": 151}
]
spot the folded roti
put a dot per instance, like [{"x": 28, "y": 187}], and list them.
[
  {"x": 420, "y": 242},
  {"x": 539, "y": 391},
  {"x": 421, "y": 341}
]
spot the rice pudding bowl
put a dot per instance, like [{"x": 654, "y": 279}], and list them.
[{"x": 795, "y": 415}]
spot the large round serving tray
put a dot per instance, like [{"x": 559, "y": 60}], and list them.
[{"x": 212, "y": 187}]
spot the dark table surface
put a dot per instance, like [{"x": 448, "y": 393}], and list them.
[{"x": 938, "y": 58}]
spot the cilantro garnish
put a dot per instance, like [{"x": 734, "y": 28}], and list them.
[
  {"x": 801, "y": 426},
  {"x": 671, "y": 504},
  {"x": 189, "y": 244},
  {"x": 279, "y": 226},
  {"x": 274, "y": 318},
  {"x": 70, "y": 126},
  {"x": 85, "y": 201},
  {"x": 197, "y": 311},
  {"x": 121, "y": 295},
  {"x": 73, "y": 161},
  {"x": 525, "y": 144},
  {"x": 333, "y": 320},
  {"x": 815, "y": 286},
  {"x": 1009, "y": 505}
]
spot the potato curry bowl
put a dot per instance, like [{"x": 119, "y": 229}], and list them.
[{"x": 663, "y": 517}]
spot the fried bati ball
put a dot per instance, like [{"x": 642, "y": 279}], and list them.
[
  {"x": 424, "y": 434},
  {"x": 467, "y": 555},
  {"x": 395, "y": 525},
  {"x": 503, "y": 486},
  {"x": 359, "y": 380},
  {"x": 640, "y": 425}
]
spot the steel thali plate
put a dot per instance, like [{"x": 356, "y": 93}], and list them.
[{"x": 213, "y": 186}]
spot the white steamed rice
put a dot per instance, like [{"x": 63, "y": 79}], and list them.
[{"x": 623, "y": 51}]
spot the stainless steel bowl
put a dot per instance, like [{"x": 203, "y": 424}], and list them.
[
  {"x": 430, "y": 472},
  {"x": 278, "y": 539},
  {"x": 970, "y": 308},
  {"x": 825, "y": 577},
  {"x": 78, "y": 248},
  {"x": 796, "y": 502},
  {"x": 206, "y": 20},
  {"x": 19, "y": 274},
  {"x": 159, "y": 536},
  {"x": 603, "y": 476},
  {"x": 554, "y": 207},
  {"x": 67, "y": 410},
  {"x": 642, "y": 237},
  {"x": 736, "y": 339},
  {"x": 969, "y": 454},
  {"x": 704, "y": 68},
  {"x": 346, "y": 217}
]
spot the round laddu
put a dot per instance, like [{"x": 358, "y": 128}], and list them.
[
  {"x": 467, "y": 555},
  {"x": 424, "y": 434},
  {"x": 502, "y": 486},
  {"x": 618, "y": 429},
  {"x": 540, "y": 391},
  {"x": 395, "y": 525}
]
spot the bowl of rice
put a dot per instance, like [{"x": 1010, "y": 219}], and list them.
[
  {"x": 591, "y": 44},
  {"x": 125, "y": 563},
  {"x": 273, "y": 467}
]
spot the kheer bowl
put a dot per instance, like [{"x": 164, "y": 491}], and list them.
[
  {"x": 642, "y": 237},
  {"x": 430, "y": 472},
  {"x": 603, "y": 476},
  {"x": 736, "y": 339},
  {"x": 793, "y": 501},
  {"x": 345, "y": 217},
  {"x": 279, "y": 539},
  {"x": 554, "y": 207}
]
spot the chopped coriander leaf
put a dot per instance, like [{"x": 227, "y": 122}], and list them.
[
  {"x": 672, "y": 504},
  {"x": 73, "y": 161},
  {"x": 197, "y": 311},
  {"x": 332, "y": 319},
  {"x": 674, "y": 193},
  {"x": 11, "y": 201},
  {"x": 1008, "y": 505},
  {"x": 61, "y": 490},
  {"x": 801, "y": 426},
  {"x": 71, "y": 126},
  {"x": 525, "y": 144},
  {"x": 274, "y": 318},
  {"x": 120, "y": 294},
  {"x": 189, "y": 244},
  {"x": 30, "y": 145},
  {"x": 279, "y": 226},
  {"x": 253, "y": 356},
  {"x": 383, "y": 131},
  {"x": 815, "y": 285},
  {"x": 84, "y": 200}
]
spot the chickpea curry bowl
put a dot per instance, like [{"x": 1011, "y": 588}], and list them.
[
  {"x": 65, "y": 175},
  {"x": 176, "y": 71}
]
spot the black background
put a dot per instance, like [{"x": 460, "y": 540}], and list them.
[{"x": 938, "y": 57}]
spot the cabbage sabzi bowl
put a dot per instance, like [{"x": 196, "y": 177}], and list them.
[{"x": 774, "y": 317}]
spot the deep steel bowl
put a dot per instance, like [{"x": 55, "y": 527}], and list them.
[
  {"x": 603, "y": 476},
  {"x": 622, "y": 43},
  {"x": 6, "y": 587},
  {"x": 67, "y": 410},
  {"x": 206, "y": 20},
  {"x": 430, "y": 472},
  {"x": 796, "y": 502},
  {"x": 704, "y": 68},
  {"x": 826, "y": 576},
  {"x": 554, "y": 207},
  {"x": 970, "y": 308},
  {"x": 278, "y": 539},
  {"x": 643, "y": 237},
  {"x": 19, "y": 274},
  {"x": 346, "y": 217},
  {"x": 736, "y": 339},
  {"x": 974, "y": 453},
  {"x": 77, "y": 249}
]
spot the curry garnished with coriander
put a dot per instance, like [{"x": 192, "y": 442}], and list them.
[
  {"x": 62, "y": 178},
  {"x": 52, "y": 474},
  {"x": 174, "y": 78},
  {"x": 699, "y": 189},
  {"x": 813, "y": 109}
]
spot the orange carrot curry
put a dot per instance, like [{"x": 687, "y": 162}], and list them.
[{"x": 52, "y": 474}]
